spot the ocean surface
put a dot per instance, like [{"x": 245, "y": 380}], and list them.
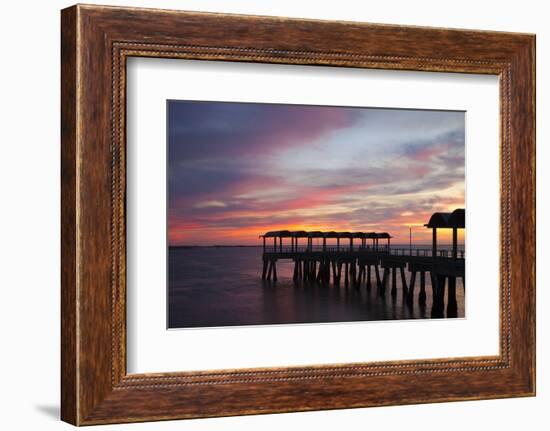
[{"x": 222, "y": 286}]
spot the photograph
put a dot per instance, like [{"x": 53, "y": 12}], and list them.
[{"x": 301, "y": 214}]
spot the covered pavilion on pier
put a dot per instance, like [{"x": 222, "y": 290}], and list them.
[{"x": 295, "y": 236}]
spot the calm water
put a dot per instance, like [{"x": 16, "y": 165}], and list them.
[{"x": 211, "y": 286}]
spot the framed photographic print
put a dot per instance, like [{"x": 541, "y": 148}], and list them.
[{"x": 265, "y": 214}]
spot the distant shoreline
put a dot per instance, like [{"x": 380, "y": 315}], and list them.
[
  {"x": 261, "y": 246},
  {"x": 211, "y": 246}
]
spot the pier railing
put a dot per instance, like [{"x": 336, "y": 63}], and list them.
[
  {"x": 327, "y": 249},
  {"x": 427, "y": 252},
  {"x": 412, "y": 252}
]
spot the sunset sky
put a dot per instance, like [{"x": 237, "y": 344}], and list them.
[{"x": 237, "y": 170}]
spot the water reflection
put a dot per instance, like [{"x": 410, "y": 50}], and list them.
[{"x": 222, "y": 287}]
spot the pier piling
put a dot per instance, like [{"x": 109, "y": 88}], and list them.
[
  {"x": 410, "y": 293},
  {"x": 422, "y": 294}
]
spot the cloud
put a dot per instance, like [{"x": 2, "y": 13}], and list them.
[
  {"x": 237, "y": 170},
  {"x": 210, "y": 204},
  {"x": 203, "y": 130}
]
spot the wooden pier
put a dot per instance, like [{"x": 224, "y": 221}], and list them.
[{"x": 355, "y": 258}]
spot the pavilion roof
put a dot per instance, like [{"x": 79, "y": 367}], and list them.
[
  {"x": 321, "y": 234},
  {"x": 455, "y": 219}
]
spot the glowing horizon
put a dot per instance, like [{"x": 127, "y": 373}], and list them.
[{"x": 238, "y": 170}]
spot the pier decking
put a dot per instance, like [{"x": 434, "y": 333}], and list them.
[{"x": 354, "y": 257}]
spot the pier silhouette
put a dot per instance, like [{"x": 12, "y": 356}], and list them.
[{"x": 354, "y": 257}]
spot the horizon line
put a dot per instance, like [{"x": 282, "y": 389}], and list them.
[{"x": 260, "y": 245}]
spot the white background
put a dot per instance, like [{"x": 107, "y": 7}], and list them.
[
  {"x": 29, "y": 216},
  {"x": 151, "y": 348}
]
